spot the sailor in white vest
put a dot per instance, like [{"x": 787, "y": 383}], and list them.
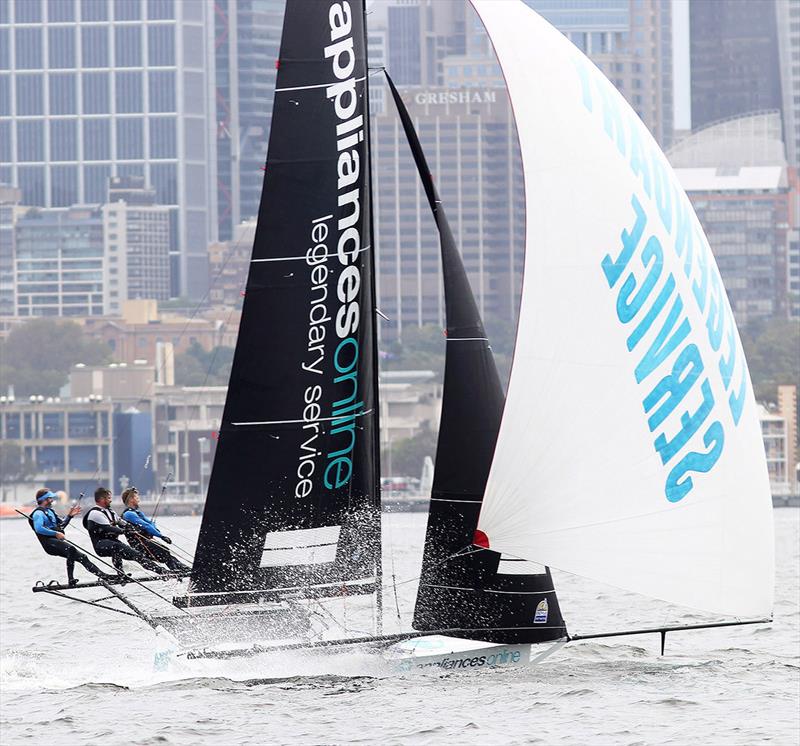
[{"x": 105, "y": 528}]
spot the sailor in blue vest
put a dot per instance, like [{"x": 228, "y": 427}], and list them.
[
  {"x": 142, "y": 530},
  {"x": 105, "y": 527},
  {"x": 49, "y": 529}
]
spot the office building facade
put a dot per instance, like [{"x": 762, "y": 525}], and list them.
[
  {"x": 91, "y": 89},
  {"x": 744, "y": 193},
  {"x": 247, "y": 45},
  {"x": 631, "y": 42},
  {"x": 734, "y": 59},
  {"x": 471, "y": 145}
]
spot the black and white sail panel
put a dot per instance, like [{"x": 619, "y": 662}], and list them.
[
  {"x": 293, "y": 495},
  {"x": 462, "y": 586}
]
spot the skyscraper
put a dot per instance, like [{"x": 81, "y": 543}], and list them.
[
  {"x": 91, "y": 89},
  {"x": 471, "y": 145},
  {"x": 788, "y": 25},
  {"x": 247, "y": 44},
  {"x": 734, "y": 59},
  {"x": 631, "y": 42}
]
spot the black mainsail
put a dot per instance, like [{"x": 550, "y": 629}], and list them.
[
  {"x": 293, "y": 500},
  {"x": 461, "y": 586}
]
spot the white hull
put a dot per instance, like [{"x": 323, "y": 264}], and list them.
[{"x": 453, "y": 654}]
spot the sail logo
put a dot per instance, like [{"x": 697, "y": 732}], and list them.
[
  {"x": 541, "y": 613},
  {"x": 349, "y": 136},
  {"x": 684, "y": 370}
]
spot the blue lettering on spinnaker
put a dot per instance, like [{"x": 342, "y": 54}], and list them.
[
  {"x": 670, "y": 401},
  {"x": 686, "y": 404},
  {"x": 661, "y": 189}
]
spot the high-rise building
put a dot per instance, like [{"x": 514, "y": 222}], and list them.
[
  {"x": 788, "y": 26},
  {"x": 420, "y": 34},
  {"x": 88, "y": 260},
  {"x": 9, "y": 209},
  {"x": 736, "y": 176},
  {"x": 138, "y": 231},
  {"x": 61, "y": 264},
  {"x": 734, "y": 59},
  {"x": 471, "y": 145},
  {"x": 91, "y": 89},
  {"x": 631, "y": 42},
  {"x": 247, "y": 45}
]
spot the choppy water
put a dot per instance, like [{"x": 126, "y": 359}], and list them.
[{"x": 73, "y": 675}]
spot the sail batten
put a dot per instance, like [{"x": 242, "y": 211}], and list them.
[{"x": 630, "y": 451}]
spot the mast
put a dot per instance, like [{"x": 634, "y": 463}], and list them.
[
  {"x": 375, "y": 359},
  {"x": 462, "y": 586},
  {"x": 293, "y": 491}
]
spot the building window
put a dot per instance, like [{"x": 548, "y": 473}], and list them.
[
  {"x": 29, "y": 48},
  {"x": 81, "y": 425},
  {"x": 64, "y": 186},
  {"x": 160, "y": 9},
  {"x": 12, "y": 426},
  {"x": 50, "y": 458},
  {"x": 63, "y": 140},
  {"x": 82, "y": 458},
  {"x": 5, "y": 95},
  {"x": 130, "y": 138},
  {"x": 94, "y": 46},
  {"x": 96, "y": 140},
  {"x": 31, "y": 182},
  {"x": 30, "y": 142},
  {"x": 129, "y": 95},
  {"x": 60, "y": 10},
  {"x": 53, "y": 425},
  {"x": 94, "y": 10},
  {"x": 163, "y": 138},
  {"x": 63, "y": 94},
  {"x": 161, "y": 45},
  {"x": 165, "y": 180},
  {"x": 95, "y": 183},
  {"x": 126, "y": 10},
  {"x": 61, "y": 47},
  {"x": 30, "y": 100},
  {"x": 27, "y": 11},
  {"x": 128, "y": 46},
  {"x": 95, "y": 93},
  {"x": 162, "y": 91}
]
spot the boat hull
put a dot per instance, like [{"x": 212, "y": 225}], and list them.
[{"x": 453, "y": 654}]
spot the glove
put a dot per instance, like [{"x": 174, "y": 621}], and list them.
[{"x": 166, "y": 538}]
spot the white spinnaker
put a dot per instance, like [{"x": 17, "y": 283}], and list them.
[{"x": 577, "y": 482}]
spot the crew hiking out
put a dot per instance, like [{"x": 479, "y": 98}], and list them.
[
  {"x": 49, "y": 529},
  {"x": 105, "y": 527},
  {"x": 142, "y": 530}
]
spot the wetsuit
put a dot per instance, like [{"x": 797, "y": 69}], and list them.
[
  {"x": 104, "y": 529},
  {"x": 46, "y": 523},
  {"x": 141, "y": 528}
]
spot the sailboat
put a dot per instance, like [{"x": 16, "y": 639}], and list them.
[{"x": 627, "y": 449}]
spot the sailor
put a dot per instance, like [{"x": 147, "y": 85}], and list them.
[
  {"x": 105, "y": 527},
  {"x": 141, "y": 531},
  {"x": 49, "y": 528}
]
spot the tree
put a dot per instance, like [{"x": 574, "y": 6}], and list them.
[
  {"x": 198, "y": 367},
  {"x": 14, "y": 467},
  {"x": 37, "y": 356},
  {"x": 772, "y": 348},
  {"x": 408, "y": 454}
]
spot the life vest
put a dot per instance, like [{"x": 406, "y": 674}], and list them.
[
  {"x": 40, "y": 537},
  {"x": 99, "y": 531}
]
